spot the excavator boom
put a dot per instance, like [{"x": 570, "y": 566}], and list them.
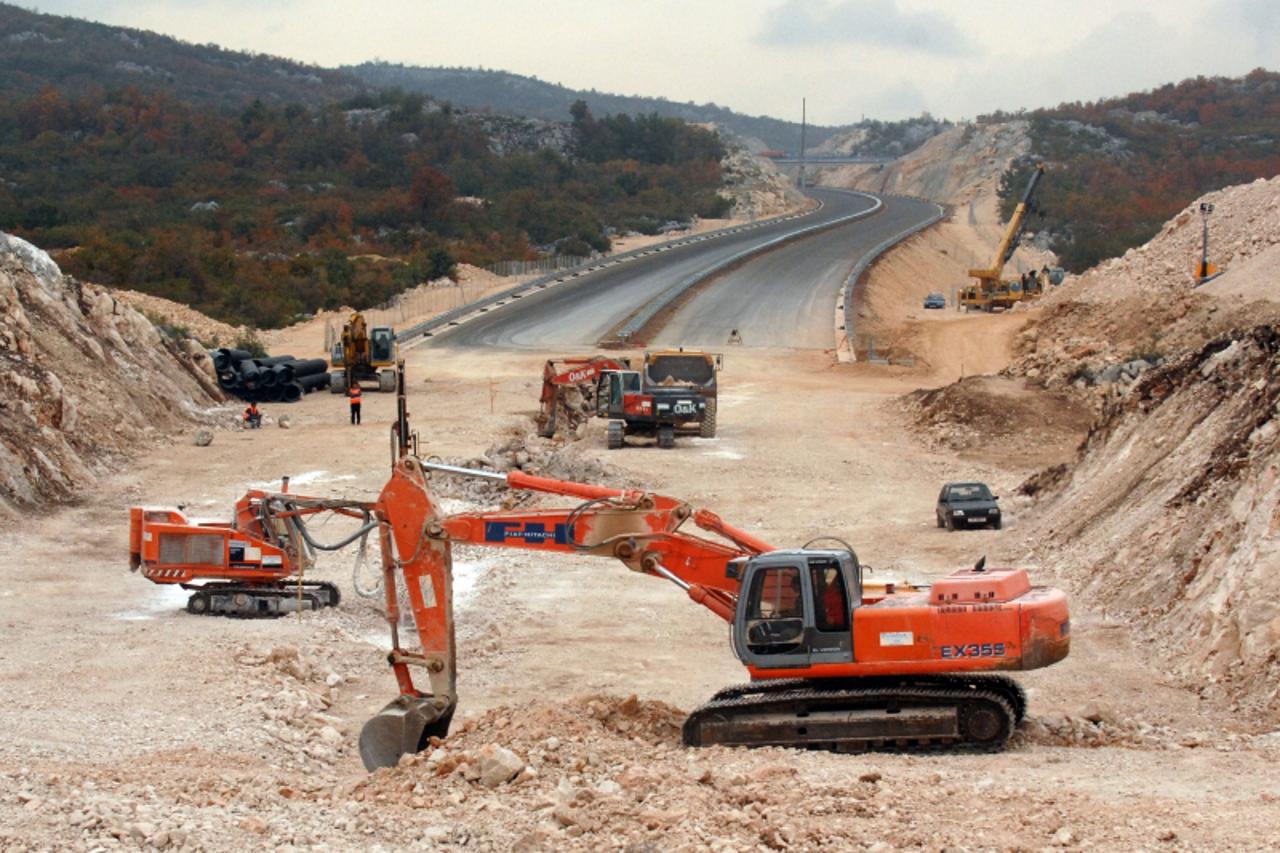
[{"x": 580, "y": 373}]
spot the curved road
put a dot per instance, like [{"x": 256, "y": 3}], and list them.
[
  {"x": 787, "y": 297},
  {"x": 578, "y": 313}
]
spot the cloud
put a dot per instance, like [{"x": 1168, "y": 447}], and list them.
[
  {"x": 1255, "y": 21},
  {"x": 886, "y": 99},
  {"x": 877, "y": 23},
  {"x": 1129, "y": 52}
]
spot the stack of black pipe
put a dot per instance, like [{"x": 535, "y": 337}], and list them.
[{"x": 277, "y": 379}]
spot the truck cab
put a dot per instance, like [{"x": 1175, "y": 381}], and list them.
[
  {"x": 637, "y": 410},
  {"x": 673, "y": 393}
]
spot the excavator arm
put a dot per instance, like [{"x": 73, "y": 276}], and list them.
[
  {"x": 834, "y": 663},
  {"x": 639, "y": 529},
  {"x": 580, "y": 372}
]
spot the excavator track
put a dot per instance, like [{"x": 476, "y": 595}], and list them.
[
  {"x": 260, "y": 601},
  {"x": 974, "y": 713},
  {"x": 1009, "y": 689}
]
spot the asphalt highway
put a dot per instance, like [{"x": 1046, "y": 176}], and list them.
[
  {"x": 787, "y": 297},
  {"x": 579, "y": 313}
]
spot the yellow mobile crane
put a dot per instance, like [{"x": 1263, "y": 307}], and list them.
[{"x": 988, "y": 292}]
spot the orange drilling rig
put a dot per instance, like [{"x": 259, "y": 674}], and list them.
[
  {"x": 253, "y": 566},
  {"x": 835, "y": 662}
]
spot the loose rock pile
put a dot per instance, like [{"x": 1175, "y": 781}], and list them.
[
  {"x": 985, "y": 412},
  {"x": 294, "y": 695}
]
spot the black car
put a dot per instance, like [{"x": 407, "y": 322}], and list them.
[{"x": 962, "y": 505}]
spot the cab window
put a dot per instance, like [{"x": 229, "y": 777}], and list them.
[
  {"x": 775, "y": 611},
  {"x": 381, "y": 344},
  {"x": 830, "y": 598}
]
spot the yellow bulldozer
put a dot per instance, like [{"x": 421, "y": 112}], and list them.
[{"x": 362, "y": 355}]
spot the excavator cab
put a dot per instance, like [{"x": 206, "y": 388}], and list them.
[
  {"x": 612, "y": 391},
  {"x": 797, "y": 608},
  {"x": 382, "y": 343}
]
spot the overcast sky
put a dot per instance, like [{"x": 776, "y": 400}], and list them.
[{"x": 883, "y": 59}]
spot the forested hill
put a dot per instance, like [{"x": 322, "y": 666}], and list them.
[
  {"x": 257, "y": 189},
  {"x": 503, "y": 92},
  {"x": 79, "y": 57},
  {"x": 272, "y": 212},
  {"x": 1119, "y": 168}
]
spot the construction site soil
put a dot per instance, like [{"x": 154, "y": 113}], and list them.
[{"x": 130, "y": 723}]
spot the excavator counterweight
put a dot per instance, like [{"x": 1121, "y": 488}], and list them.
[{"x": 363, "y": 355}]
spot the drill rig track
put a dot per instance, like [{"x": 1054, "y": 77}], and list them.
[
  {"x": 260, "y": 601},
  {"x": 902, "y": 714}
]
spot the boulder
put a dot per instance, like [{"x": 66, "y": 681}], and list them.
[{"x": 497, "y": 765}]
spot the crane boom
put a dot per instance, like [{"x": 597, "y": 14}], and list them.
[{"x": 1009, "y": 242}]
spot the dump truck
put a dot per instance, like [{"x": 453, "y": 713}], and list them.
[{"x": 674, "y": 393}]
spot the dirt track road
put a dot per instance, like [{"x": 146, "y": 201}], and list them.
[{"x": 128, "y": 721}]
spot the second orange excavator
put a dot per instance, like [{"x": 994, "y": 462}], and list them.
[{"x": 835, "y": 661}]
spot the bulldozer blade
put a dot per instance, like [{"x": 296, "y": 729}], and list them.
[{"x": 401, "y": 728}]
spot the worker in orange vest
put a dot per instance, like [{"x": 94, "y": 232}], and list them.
[{"x": 353, "y": 394}]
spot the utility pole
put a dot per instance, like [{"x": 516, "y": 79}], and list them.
[
  {"x": 1205, "y": 271},
  {"x": 803, "y": 118}
]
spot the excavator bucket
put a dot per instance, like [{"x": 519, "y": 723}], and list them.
[{"x": 403, "y": 727}]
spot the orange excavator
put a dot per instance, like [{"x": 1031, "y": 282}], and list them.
[
  {"x": 835, "y": 662},
  {"x": 575, "y": 375}
]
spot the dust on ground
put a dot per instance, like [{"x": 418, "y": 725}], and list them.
[
  {"x": 207, "y": 733},
  {"x": 130, "y": 723}
]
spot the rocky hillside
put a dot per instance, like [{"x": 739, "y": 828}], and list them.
[
  {"x": 1123, "y": 166},
  {"x": 1169, "y": 516},
  {"x": 870, "y": 138},
  {"x": 1102, "y": 326},
  {"x": 954, "y": 167},
  {"x": 515, "y": 94},
  {"x": 83, "y": 379},
  {"x": 756, "y": 187}
]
